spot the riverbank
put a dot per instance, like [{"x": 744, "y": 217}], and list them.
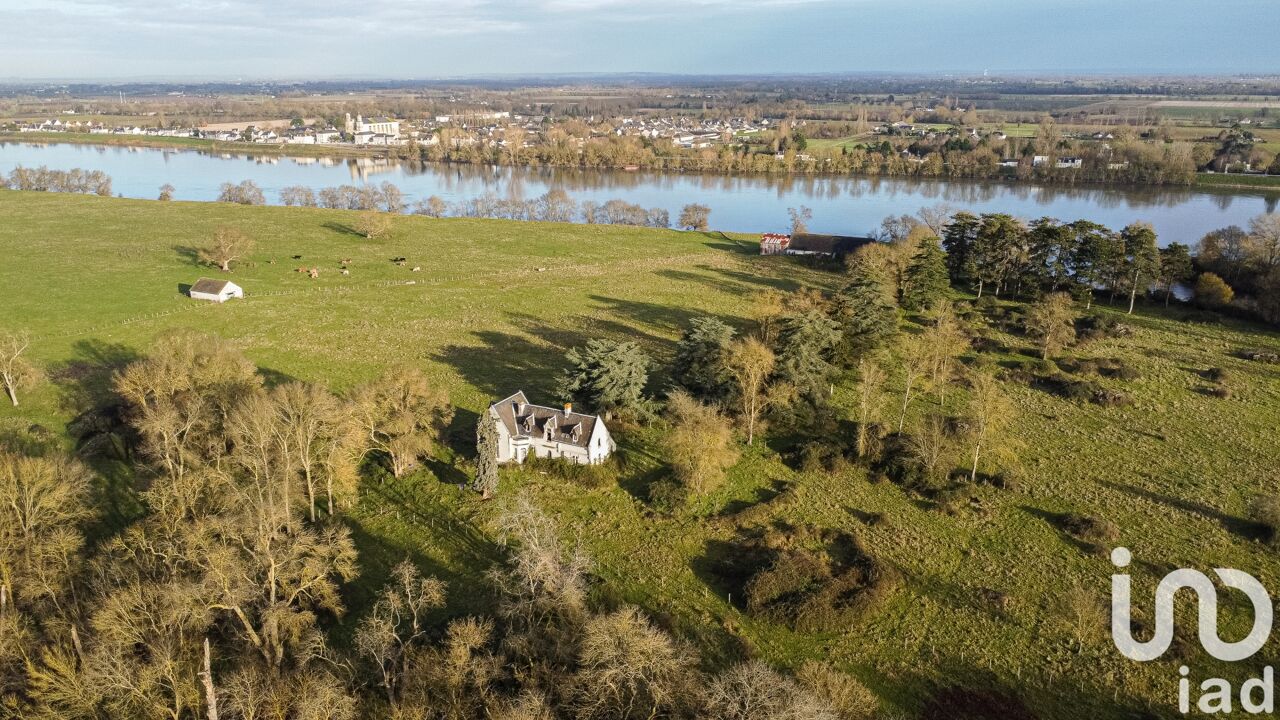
[
  {"x": 183, "y": 143},
  {"x": 841, "y": 204},
  {"x": 1215, "y": 181},
  {"x": 1221, "y": 181}
]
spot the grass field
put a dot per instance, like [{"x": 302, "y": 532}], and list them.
[
  {"x": 1220, "y": 180},
  {"x": 497, "y": 303}
]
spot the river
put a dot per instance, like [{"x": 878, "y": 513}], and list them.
[{"x": 750, "y": 203}]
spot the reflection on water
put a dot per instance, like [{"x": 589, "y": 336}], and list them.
[{"x": 746, "y": 203}]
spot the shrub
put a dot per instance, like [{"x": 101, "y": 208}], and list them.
[
  {"x": 819, "y": 590},
  {"x": 1262, "y": 356},
  {"x": 843, "y": 692},
  {"x": 954, "y": 499},
  {"x": 1107, "y": 397},
  {"x": 587, "y": 476},
  {"x": 1221, "y": 392},
  {"x": 1265, "y": 512},
  {"x": 1090, "y": 529},
  {"x": 1215, "y": 374}
]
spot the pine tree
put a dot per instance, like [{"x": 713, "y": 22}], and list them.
[
  {"x": 699, "y": 365},
  {"x": 607, "y": 375},
  {"x": 806, "y": 344},
  {"x": 927, "y": 281},
  {"x": 486, "y": 482},
  {"x": 866, "y": 316}
]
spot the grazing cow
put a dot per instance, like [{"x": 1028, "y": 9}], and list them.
[
  {"x": 297, "y": 257},
  {"x": 416, "y": 269},
  {"x": 346, "y": 271},
  {"x": 314, "y": 273}
]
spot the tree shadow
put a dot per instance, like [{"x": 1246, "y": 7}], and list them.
[
  {"x": 343, "y": 229},
  {"x": 84, "y": 381},
  {"x": 504, "y": 362},
  {"x": 670, "y": 318},
  {"x": 273, "y": 378},
  {"x": 460, "y": 436},
  {"x": 189, "y": 255},
  {"x": 1238, "y": 526}
]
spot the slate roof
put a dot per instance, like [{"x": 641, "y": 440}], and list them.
[
  {"x": 829, "y": 244},
  {"x": 525, "y": 420},
  {"x": 210, "y": 286}
]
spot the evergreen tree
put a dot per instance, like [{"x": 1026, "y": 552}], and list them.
[
  {"x": 1141, "y": 258},
  {"x": 866, "y": 317},
  {"x": 958, "y": 240},
  {"x": 1175, "y": 267},
  {"x": 996, "y": 249},
  {"x": 700, "y": 359},
  {"x": 607, "y": 375},
  {"x": 486, "y": 482},
  {"x": 806, "y": 344},
  {"x": 926, "y": 277}
]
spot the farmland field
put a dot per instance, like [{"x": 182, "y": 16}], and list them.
[{"x": 488, "y": 307}]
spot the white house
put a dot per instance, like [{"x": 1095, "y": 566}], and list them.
[
  {"x": 548, "y": 432},
  {"x": 218, "y": 291},
  {"x": 378, "y": 126}
]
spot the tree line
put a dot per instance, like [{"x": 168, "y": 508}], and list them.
[
  {"x": 555, "y": 205},
  {"x": 75, "y": 180}
]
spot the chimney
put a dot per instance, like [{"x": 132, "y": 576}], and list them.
[{"x": 568, "y": 408}]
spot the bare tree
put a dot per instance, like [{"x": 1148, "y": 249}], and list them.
[
  {"x": 372, "y": 224},
  {"x": 397, "y": 623},
  {"x": 871, "y": 380},
  {"x": 434, "y": 206},
  {"x": 227, "y": 246},
  {"x": 989, "y": 412},
  {"x": 166, "y": 192},
  {"x": 750, "y": 363},
  {"x": 700, "y": 443},
  {"x": 15, "y": 372},
  {"x": 401, "y": 415},
  {"x": 694, "y": 217},
  {"x": 1052, "y": 322},
  {"x": 800, "y": 218}
]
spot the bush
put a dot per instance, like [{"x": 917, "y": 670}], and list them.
[
  {"x": 843, "y": 692},
  {"x": 1222, "y": 392},
  {"x": 590, "y": 477},
  {"x": 1091, "y": 529},
  {"x": 1265, "y": 512},
  {"x": 668, "y": 495},
  {"x": 1215, "y": 374},
  {"x": 1262, "y": 356},
  {"x": 954, "y": 499},
  {"x": 819, "y": 590},
  {"x": 1107, "y": 397},
  {"x": 1069, "y": 388}
]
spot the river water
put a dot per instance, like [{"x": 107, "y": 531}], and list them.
[{"x": 842, "y": 205}]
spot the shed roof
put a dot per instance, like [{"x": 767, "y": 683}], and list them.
[{"x": 210, "y": 286}]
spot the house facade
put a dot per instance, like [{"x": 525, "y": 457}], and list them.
[
  {"x": 377, "y": 126},
  {"x": 218, "y": 291},
  {"x": 526, "y": 430}
]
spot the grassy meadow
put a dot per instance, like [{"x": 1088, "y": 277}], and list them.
[{"x": 494, "y": 306}]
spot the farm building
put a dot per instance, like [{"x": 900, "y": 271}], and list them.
[
  {"x": 218, "y": 291},
  {"x": 774, "y": 243},
  {"x": 548, "y": 432},
  {"x": 828, "y": 245}
]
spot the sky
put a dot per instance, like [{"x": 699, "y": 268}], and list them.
[{"x": 422, "y": 39}]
